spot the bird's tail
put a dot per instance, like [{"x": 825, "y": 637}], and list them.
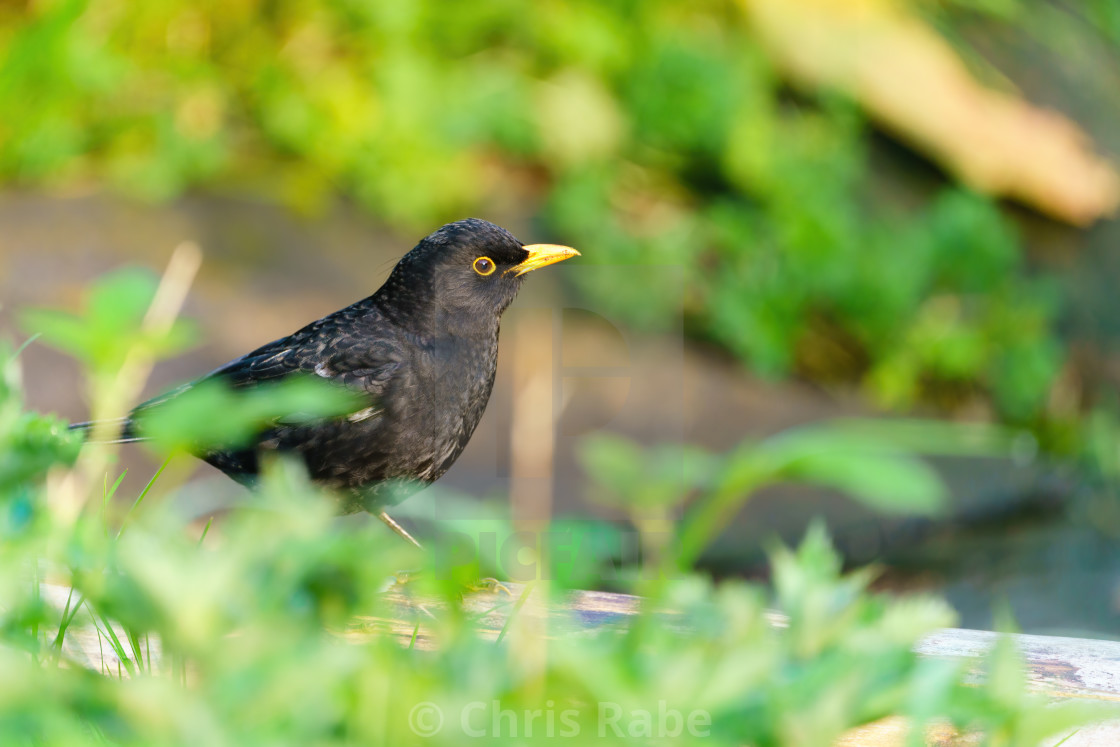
[{"x": 124, "y": 427}]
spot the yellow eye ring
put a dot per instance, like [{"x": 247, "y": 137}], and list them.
[{"x": 484, "y": 266}]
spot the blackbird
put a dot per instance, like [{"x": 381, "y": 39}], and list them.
[{"x": 422, "y": 351}]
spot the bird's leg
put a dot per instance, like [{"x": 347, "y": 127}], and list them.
[
  {"x": 403, "y": 577},
  {"x": 389, "y": 522}
]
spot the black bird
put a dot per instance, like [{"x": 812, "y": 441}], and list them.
[{"x": 423, "y": 350}]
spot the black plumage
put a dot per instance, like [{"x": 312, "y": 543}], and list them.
[{"x": 422, "y": 351}]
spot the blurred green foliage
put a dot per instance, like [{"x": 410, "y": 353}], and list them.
[
  {"x": 29, "y": 443},
  {"x": 650, "y": 133},
  {"x": 874, "y": 462},
  {"x": 108, "y": 329},
  {"x": 210, "y": 413}
]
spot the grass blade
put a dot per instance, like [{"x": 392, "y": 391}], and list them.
[
  {"x": 205, "y": 530},
  {"x": 143, "y": 495}
]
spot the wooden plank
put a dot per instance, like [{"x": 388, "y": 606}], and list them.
[{"x": 1074, "y": 667}]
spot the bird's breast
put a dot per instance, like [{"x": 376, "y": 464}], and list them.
[{"x": 449, "y": 389}]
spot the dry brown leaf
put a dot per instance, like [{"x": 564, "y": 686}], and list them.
[{"x": 910, "y": 80}]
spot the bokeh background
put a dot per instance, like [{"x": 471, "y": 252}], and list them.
[{"x": 789, "y": 211}]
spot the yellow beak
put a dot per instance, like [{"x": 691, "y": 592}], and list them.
[{"x": 542, "y": 255}]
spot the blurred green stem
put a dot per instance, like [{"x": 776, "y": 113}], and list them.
[
  {"x": 713, "y": 510},
  {"x": 112, "y": 392}
]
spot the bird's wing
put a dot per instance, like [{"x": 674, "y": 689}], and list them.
[
  {"x": 333, "y": 348},
  {"x": 342, "y": 356}
]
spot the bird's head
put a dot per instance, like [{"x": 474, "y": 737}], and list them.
[{"x": 468, "y": 270}]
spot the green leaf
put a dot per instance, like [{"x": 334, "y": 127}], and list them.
[
  {"x": 870, "y": 470},
  {"x": 892, "y": 484},
  {"x": 210, "y": 414}
]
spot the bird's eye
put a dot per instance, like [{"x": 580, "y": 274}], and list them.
[{"x": 484, "y": 266}]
